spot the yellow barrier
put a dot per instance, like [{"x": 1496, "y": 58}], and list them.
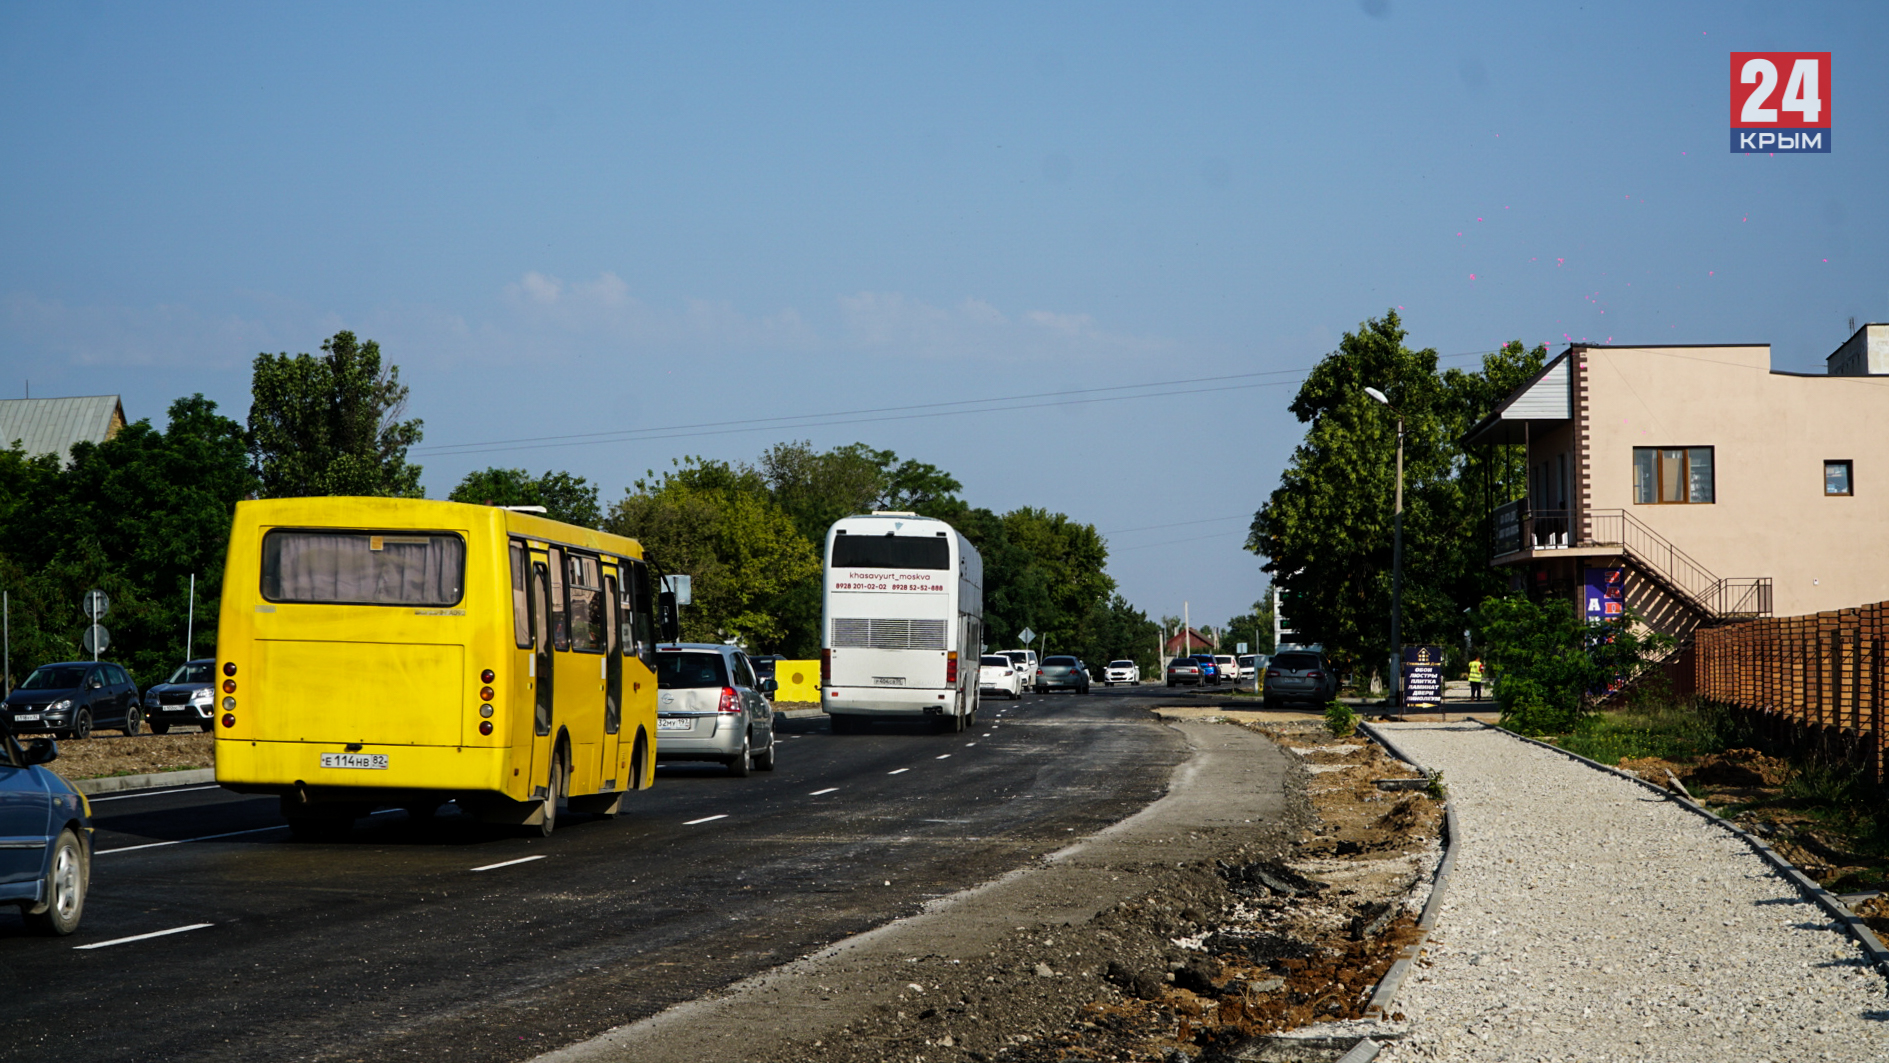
[{"x": 799, "y": 681}]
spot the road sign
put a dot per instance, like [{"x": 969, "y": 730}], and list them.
[
  {"x": 95, "y": 605},
  {"x": 1026, "y": 636},
  {"x": 96, "y": 639},
  {"x": 683, "y": 587},
  {"x": 1242, "y": 648}
]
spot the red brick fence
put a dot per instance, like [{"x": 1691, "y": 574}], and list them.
[{"x": 1819, "y": 677}]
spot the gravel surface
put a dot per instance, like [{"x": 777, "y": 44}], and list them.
[{"x": 1590, "y": 919}]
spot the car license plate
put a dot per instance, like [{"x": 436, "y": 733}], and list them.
[
  {"x": 26, "y": 717},
  {"x": 675, "y": 725},
  {"x": 370, "y": 761}
]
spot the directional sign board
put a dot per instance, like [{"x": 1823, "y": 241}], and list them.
[
  {"x": 1242, "y": 648},
  {"x": 95, "y": 605},
  {"x": 96, "y": 639},
  {"x": 1026, "y": 635},
  {"x": 683, "y": 587}
]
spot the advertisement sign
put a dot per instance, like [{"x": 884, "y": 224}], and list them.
[
  {"x": 1780, "y": 102},
  {"x": 1603, "y": 594},
  {"x": 1423, "y": 677}
]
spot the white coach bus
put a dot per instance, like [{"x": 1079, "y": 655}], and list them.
[{"x": 902, "y": 619}]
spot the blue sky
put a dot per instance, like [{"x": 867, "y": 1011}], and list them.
[{"x": 575, "y": 218}]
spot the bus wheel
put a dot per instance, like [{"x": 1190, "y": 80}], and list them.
[{"x": 553, "y": 792}]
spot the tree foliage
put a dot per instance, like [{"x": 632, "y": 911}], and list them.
[
  {"x": 1550, "y": 665},
  {"x": 134, "y": 516},
  {"x": 571, "y": 499},
  {"x": 331, "y": 425},
  {"x": 1326, "y": 530}
]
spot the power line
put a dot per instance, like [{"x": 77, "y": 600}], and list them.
[
  {"x": 890, "y": 413},
  {"x": 1178, "y": 524}
]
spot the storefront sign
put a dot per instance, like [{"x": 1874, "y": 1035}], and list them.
[
  {"x": 1423, "y": 677},
  {"x": 1603, "y": 593}
]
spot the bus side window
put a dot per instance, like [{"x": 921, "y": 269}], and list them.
[
  {"x": 521, "y": 600},
  {"x": 560, "y": 628},
  {"x": 585, "y": 588}
]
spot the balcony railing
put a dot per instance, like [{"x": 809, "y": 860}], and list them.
[{"x": 1516, "y": 528}]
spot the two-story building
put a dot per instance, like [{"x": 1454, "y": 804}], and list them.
[{"x": 1696, "y": 484}]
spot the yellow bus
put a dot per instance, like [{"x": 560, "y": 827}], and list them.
[{"x": 381, "y": 652}]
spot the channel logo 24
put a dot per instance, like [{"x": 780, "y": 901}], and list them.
[{"x": 1780, "y": 102}]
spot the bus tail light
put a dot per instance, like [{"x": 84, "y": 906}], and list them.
[
  {"x": 485, "y": 693},
  {"x": 229, "y": 719},
  {"x": 951, "y": 666},
  {"x": 485, "y": 727},
  {"x": 730, "y": 701},
  {"x": 487, "y": 676},
  {"x": 826, "y": 667},
  {"x": 229, "y": 667}
]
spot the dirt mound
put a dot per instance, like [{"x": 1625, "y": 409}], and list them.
[
  {"x": 115, "y": 754},
  {"x": 1739, "y": 768}
]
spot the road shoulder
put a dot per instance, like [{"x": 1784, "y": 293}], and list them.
[{"x": 1235, "y": 790}]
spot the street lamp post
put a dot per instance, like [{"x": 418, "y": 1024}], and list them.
[{"x": 1397, "y": 560}]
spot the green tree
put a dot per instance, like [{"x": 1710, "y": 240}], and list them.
[
  {"x": 718, "y": 524},
  {"x": 1326, "y": 530},
  {"x": 1550, "y": 666},
  {"x": 1254, "y": 629},
  {"x": 1116, "y": 630},
  {"x": 1042, "y": 571},
  {"x": 818, "y": 488},
  {"x": 331, "y": 425},
  {"x": 564, "y": 497},
  {"x": 135, "y": 516}
]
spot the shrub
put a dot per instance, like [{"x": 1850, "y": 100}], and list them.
[
  {"x": 1340, "y": 720},
  {"x": 1550, "y": 666}
]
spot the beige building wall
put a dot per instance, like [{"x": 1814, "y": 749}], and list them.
[{"x": 1771, "y": 434}]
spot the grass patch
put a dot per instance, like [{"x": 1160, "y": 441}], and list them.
[{"x": 1670, "y": 730}]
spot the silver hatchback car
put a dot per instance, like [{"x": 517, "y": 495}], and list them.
[{"x": 710, "y": 706}]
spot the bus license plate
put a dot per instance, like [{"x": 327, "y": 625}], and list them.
[
  {"x": 674, "y": 725},
  {"x": 889, "y": 680},
  {"x": 372, "y": 761}
]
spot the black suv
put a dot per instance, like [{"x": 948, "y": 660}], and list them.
[
  {"x": 70, "y": 698},
  {"x": 1299, "y": 675}
]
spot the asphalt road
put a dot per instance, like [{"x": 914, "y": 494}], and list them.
[{"x": 406, "y": 941}]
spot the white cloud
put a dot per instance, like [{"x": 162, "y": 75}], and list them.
[{"x": 974, "y": 328}]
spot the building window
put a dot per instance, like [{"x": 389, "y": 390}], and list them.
[
  {"x": 1672, "y": 474},
  {"x": 1836, "y": 478}
]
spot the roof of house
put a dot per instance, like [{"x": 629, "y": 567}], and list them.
[
  {"x": 1199, "y": 641},
  {"x": 51, "y": 426}
]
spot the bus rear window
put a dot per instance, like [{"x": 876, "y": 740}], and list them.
[
  {"x": 681, "y": 671},
  {"x": 890, "y": 551},
  {"x": 363, "y": 568}
]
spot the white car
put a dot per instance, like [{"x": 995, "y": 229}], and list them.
[
  {"x": 999, "y": 675},
  {"x": 1229, "y": 668},
  {"x": 1121, "y": 672},
  {"x": 1252, "y": 664}
]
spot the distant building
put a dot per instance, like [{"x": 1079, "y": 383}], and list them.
[
  {"x": 1180, "y": 642},
  {"x": 1694, "y": 485},
  {"x": 51, "y": 426}
]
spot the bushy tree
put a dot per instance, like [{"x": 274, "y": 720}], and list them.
[
  {"x": 717, "y": 523},
  {"x": 1326, "y": 530},
  {"x": 571, "y": 499},
  {"x": 1550, "y": 665},
  {"x": 331, "y": 425},
  {"x": 134, "y": 516}
]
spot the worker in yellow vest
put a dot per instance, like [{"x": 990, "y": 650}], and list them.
[{"x": 1475, "y": 679}]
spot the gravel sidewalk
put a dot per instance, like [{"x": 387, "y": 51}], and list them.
[{"x": 1588, "y": 919}]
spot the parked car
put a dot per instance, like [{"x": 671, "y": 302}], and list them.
[
  {"x": 1229, "y": 667},
  {"x": 1209, "y": 668},
  {"x": 1298, "y": 675},
  {"x": 764, "y": 668},
  {"x": 188, "y": 697},
  {"x": 711, "y": 706},
  {"x": 1121, "y": 672},
  {"x": 45, "y": 838},
  {"x": 1185, "y": 670},
  {"x": 70, "y": 698},
  {"x": 997, "y": 674},
  {"x": 1062, "y": 673},
  {"x": 1252, "y": 664},
  {"x": 1026, "y": 662}
]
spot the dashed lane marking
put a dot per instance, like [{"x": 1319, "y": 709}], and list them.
[
  {"x": 968, "y": 745},
  {"x": 942, "y": 756},
  {"x": 898, "y": 771},
  {"x": 141, "y": 937},
  {"x": 705, "y": 819},
  {"x": 828, "y": 790},
  {"x": 180, "y": 841},
  {"x": 508, "y": 863}
]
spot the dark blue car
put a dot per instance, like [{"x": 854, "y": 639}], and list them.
[
  {"x": 45, "y": 838},
  {"x": 70, "y": 698}
]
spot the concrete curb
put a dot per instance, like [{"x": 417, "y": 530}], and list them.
[
  {"x": 112, "y": 784},
  {"x": 1873, "y": 949},
  {"x": 1393, "y": 979}
]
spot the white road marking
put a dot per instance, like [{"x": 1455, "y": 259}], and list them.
[
  {"x": 986, "y": 734},
  {"x": 153, "y": 793},
  {"x": 968, "y": 745},
  {"x": 705, "y": 819},
  {"x": 942, "y": 756},
  {"x": 508, "y": 863},
  {"x": 898, "y": 771},
  {"x": 180, "y": 841},
  {"x": 141, "y": 937},
  {"x": 828, "y": 790}
]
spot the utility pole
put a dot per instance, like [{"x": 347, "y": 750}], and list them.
[
  {"x": 190, "y": 618},
  {"x": 1187, "y": 632},
  {"x": 1397, "y": 561},
  {"x": 6, "y": 638}
]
